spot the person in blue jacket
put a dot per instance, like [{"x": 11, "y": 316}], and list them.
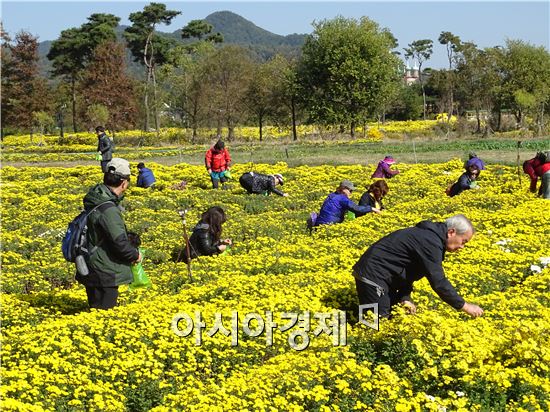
[
  {"x": 338, "y": 203},
  {"x": 145, "y": 176}
]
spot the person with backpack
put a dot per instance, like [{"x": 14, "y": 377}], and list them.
[
  {"x": 385, "y": 273},
  {"x": 104, "y": 147},
  {"x": 146, "y": 178},
  {"x": 261, "y": 184},
  {"x": 383, "y": 170},
  {"x": 206, "y": 237},
  {"x": 217, "y": 161},
  {"x": 336, "y": 205},
  {"x": 539, "y": 166},
  {"x": 110, "y": 253}
]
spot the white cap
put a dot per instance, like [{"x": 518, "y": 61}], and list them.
[{"x": 119, "y": 166}]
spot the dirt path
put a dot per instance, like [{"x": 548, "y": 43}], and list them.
[{"x": 506, "y": 157}]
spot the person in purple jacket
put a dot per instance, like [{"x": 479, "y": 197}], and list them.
[
  {"x": 338, "y": 203},
  {"x": 383, "y": 170},
  {"x": 473, "y": 160}
]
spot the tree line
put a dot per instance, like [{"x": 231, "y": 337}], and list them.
[{"x": 350, "y": 71}]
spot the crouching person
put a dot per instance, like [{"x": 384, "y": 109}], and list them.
[
  {"x": 146, "y": 178},
  {"x": 259, "y": 183},
  {"x": 206, "y": 237},
  {"x": 110, "y": 252},
  {"x": 385, "y": 274}
]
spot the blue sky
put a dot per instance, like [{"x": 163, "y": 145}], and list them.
[{"x": 485, "y": 23}]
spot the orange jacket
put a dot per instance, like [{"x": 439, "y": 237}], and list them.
[{"x": 217, "y": 160}]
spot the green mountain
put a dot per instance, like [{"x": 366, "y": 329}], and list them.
[
  {"x": 238, "y": 30},
  {"x": 235, "y": 30}
]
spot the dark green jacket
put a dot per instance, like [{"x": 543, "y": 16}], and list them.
[{"x": 109, "y": 264}]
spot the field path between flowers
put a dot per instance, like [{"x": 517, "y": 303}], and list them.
[{"x": 297, "y": 155}]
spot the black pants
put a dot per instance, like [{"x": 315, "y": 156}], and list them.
[
  {"x": 369, "y": 294},
  {"x": 102, "y": 298}
]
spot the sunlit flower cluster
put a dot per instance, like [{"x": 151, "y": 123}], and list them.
[{"x": 58, "y": 355}]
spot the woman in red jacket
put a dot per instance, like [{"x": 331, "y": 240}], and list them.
[
  {"x": 539, "y": 167},
  {"x": 217, "y": 162}
]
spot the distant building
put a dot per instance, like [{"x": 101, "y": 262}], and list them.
[{"x": 412, "y": 74}]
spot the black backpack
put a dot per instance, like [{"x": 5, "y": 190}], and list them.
[{"x": 75, "y": 241}]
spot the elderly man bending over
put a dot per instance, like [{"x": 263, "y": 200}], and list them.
[{"x": 387, "y": 270}]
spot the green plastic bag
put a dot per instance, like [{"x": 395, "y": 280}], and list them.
[
  {"x": 141, "y": 280},
  {"x": 98, "y": 157},
  {"x": 349, "y": 215},
  {"x": 227, "y": 174}
]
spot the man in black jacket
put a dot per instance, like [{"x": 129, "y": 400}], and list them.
[
  {"x": 104, "y": 147},
  {"x": 386, "y": 271}
]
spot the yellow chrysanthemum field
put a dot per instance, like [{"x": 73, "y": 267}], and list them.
[{"x": 59, "y": 356}]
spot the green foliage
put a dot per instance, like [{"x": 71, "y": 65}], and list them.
[
  {"x": 407, "y": 105},
  {"x": 143, "y": 41},
  {"x": 73, "y": 49},
  {"x": 420, "y": 50},
  {"x": 55, "y": 302},
  {"x": 201, "y": 29},
  {"x": 97, "y": 114},
  {"x": 237, "y": 30},
  {"x": 43, "y": 120},
  {"x": 347, "y": 70}
]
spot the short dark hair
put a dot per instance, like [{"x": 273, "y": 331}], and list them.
[
  {"x": 141, "y": 165},
  {"x": 114, "y": 179},
  {"x": 100, "y": 129}
]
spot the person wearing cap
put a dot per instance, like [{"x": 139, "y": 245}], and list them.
[
  {"x": 217, "y": 161},
  {"x": 146, "y": 178},
  {"x": 111, "y": 253},
  {"x": 473, "y": 160},
  {"x": 383, "y": 170},
  {"x": 385, "y": 273},
  {"x": 261, "y": 184},
  {"x": 104, "y": 147},
  {"x": 338, "y": 203}
]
